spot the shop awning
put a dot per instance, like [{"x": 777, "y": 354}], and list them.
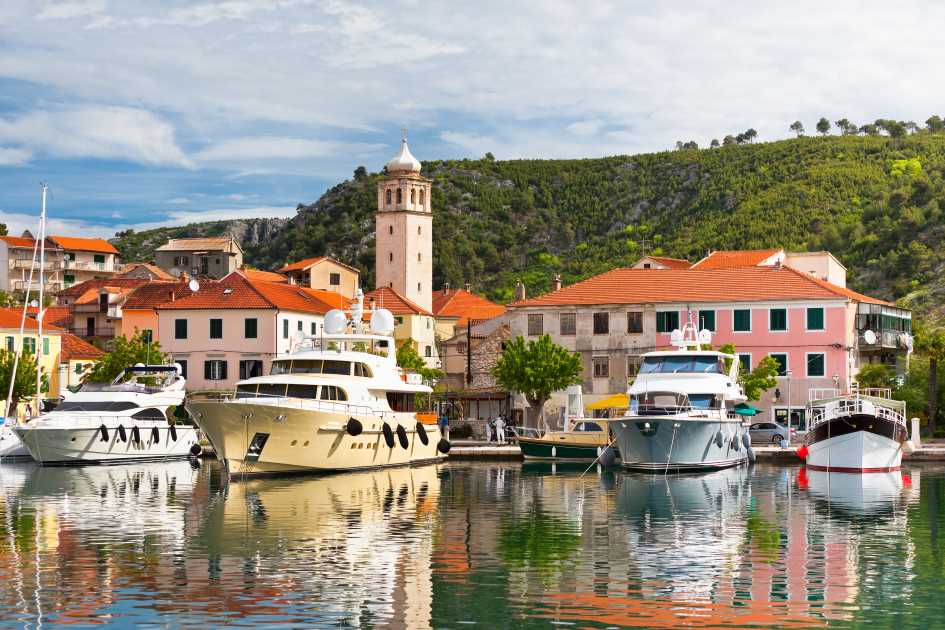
[{"x": 614, "y": 401}]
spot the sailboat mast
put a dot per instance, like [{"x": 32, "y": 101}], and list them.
[{"x": 39, "y": 314}]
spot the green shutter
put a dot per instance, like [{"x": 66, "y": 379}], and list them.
[
  {"x": 777, "y": 319},
  {"x": 742, "y": 320},
  {"x": 782, "y": 363},
  {"x": 46, "y": 345},
  {"x": 706, "y": 320},
  {"x": 815, "y": 318},
  {"x": 815, "y": 364}
]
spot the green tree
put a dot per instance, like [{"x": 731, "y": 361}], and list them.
[
  {"x": 489, "y": 157},
  {"x": 536, "y": 369},
  {"x": 877, "y": 375},
  {"x": 409, "y": 359},
  {"x": 930, "y": 342},
  {"x": 715, "y": 143},
  {"x": 125, "y": 353},
  {"x": 750, "y": 135},
  {"x": 798, "y": 128},
  {"x": 24, "y": 385},
  {"x": 729, "y": 140},
  {"x": 3, "y": 229},
  {"x": 823, "y": 126},
  {"x": 360, "y": 173},
  {"x": 844, "y": 126},
  {"x": 759, "y": 380},
  {"x": 935, "y": 124}
]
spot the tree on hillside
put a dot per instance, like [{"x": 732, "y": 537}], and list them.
[
  {"x": 935, "y": 124},
  {"x": 125, "y": 353},
  {"x": 750, "y": 135},
  {"x": 729, "y": 140},
  {"x": 798, "y": 128},
  {"x": 360, "y": 173},
  {"x": 911, "y": 126},
  {"x": 895, "y": 128},
  {"x": 536, "y": 369},
  {"x": 930, "y": 341},
  {"x": 876, "y": 375},
  {"x": 869, "y": 129},
  {"x": 3, "y": 229},
  {"x": 823, "y": 126},
  {"x": 24, "y": 384},
  {"x": 844, "y": 126},
  {"x": 715, "y": 143}
]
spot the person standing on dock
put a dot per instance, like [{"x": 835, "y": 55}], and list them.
[
  {"x": 488, "y": 429},
  {"x": 500, "y": 429}
]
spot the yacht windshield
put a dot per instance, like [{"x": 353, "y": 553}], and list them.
[
  {"x": 96, "y": 405},
  {"x": 683, "y": 364}
]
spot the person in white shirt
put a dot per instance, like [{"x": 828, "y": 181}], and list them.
[
  {"x": 488, "y": 430},
  {"x": 500, "y": 429}
]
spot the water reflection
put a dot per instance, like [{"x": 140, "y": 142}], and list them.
[{"x": 494, "y": 545}]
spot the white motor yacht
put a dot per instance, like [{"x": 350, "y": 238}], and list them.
[
  {"x": 127, "y": 420},
  {"x": 682, "y": 413},
  {"x": 338, "y": 402}
]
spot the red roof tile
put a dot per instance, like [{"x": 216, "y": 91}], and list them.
[
  {"x": 386, "y": 297},
  {"x": 238, "y": 292},
  {"x": 55, "y": 315},
  {"x": 265, "y": 276},
  {"x": 156, "y": 272},
  {"x": 74, "y": 348},
  {"x": 155, "y": 293},
  {"x": 464, "y": 304},
  {"x": 671, "y": 263},
  {"x": 84, "y": 244},
  {"x": 80, "y": 288},
  {"x": 308, "y": 262},
  {"x": 643, "y": 286},
  {"x": 10, "y": 320},
  {"x": 18, "y": 241},
  {"x": 737, "y": 258}
]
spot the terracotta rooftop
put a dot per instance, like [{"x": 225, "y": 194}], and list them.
[
  {"x": 84, "y": 244},
  {"x": 305, "y": 263},
  {"x": 672, "y": 263},
  {"x": 18, "y": 241},
  {"x": 737, "y": 258},
  {"x": 464, "y": 305},
  {"x": 10, "y": 319},
  {"x": 55, "y": 315},
  {"x": 155, "y": 293},
  {"x": 210, "y": 243},
  {"x": 265, "y": 276},
  {"x": 74, "y": 348},
  {"x": 238, "y": 292},
  {"x": 155, "y": 271},
  {"x": 648, "y": 286},
  {"x": 386, "y": 297},
  {"x": 78, "y": 289}
]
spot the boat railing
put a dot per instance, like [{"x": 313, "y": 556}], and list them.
[
  {"x": 844, "y": 407},
  {"x": 528, "y": 432},
  {"x": 689, "y": 410},
  {"x": 275, "y": 400}
]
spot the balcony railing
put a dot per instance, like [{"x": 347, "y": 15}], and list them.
[
  {"x": 95, "y": 331},
  {"x": 88, "y": 266},
  {"x": 26, "y": 263},
  {"x": 21, "y": 285}
]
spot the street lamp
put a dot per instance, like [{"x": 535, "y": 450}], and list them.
[{"x": 787, "y": 373}]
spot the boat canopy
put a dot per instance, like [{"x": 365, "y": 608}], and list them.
[{"x": 614, "y": 401}]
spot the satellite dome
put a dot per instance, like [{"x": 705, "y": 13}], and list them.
[
  {"x": 404, "y": 161},
  {"x": 382, "y": 322},
  {"x": 335, "y": 322}
]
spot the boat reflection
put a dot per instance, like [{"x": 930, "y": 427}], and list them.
[{"x": 860, "y": 493}]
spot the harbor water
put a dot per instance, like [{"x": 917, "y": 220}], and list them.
[{"x": 497, "y": 545}]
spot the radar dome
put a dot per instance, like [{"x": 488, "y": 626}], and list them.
[
  {"x": 382, "y": 322},
  {"x": 335, "y": 322}
]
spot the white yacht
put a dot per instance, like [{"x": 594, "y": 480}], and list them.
[
  {"x": 127, "y": 420},
  {"x": 682, "y": 413},
  {"x": 859, "y": 432},
  {"x": 337, "y": 402}
]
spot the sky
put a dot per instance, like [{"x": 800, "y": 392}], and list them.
[{"x": 141, "y": 113}]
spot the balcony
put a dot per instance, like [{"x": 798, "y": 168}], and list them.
[
  {"x": 89, "y": 266},
  {"x": 21, "y": 285},
  {"x": 93, "y": 331},
  {"x": 26, "y": 263}
]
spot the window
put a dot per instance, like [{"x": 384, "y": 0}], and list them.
[
  {"x": 816, "y": 364},
  {"x": 333, "y": 392},
  {"x": 390, "y": 228},
  {"x": 601, "y": 323},
  {"x": 568, "y": 324},
  {"x": 78, "y": 368},
  {"x": 535, "y": 324},
  {"x": 682, "y": 364},
  {"x": 181, "y": 261},
  {"x": 216, "y": 261},
  {"x": 421, "y": 203},
  {"x": 707, "y": 320},
  {"x": 815, "y": 318},
  {"x": 183, "y": 367},
  {"x": 413, "y": 196},
  {"x": 781, "y": 358},
  {"x": 301, "y": 391},
  {"x": 204, "y": 265},
  {"x": 387, "y": 201},
  {"x": 285, "y": 329},
  {"x": 400, "y": 196},
  {"x": 216, "y": 329},
  {"x": 633, "y": 365},
  {"x": 314, "y": 328},
  {"x": 250, "y": 328},
  {"x": 10, "y": 342},
  {"x": 461, "y": 347},
  {"x": 744, "y": 358},
  {"x": 46, "y": 345},
  {"x": 390, "y": 257},
  {"x": 214, "y": 370},
  {"x": 741, "y": 320},
  {"x": 29, "y": 345},
  {"x": 271, "y": 389},
  {"x": 250, "y": 368},
  {"x": 151, "y": 414},
  {"x": 99, "y": 259},
  {"x": 667, "y": 321},
  {"x": 634, "y": 323},
  {"x": 70, "y": 256},
  {"x": 361, "y": 369},
  {"x": 299, "y": 327},
  {"x": 334, "y": 279},
  {"x": 777, "y": 319},
  {"x": 418, "y": 257},
  {"x": 418, "y": 288},
  {"x": 419, "y": 230},
  {"x": 428, "y": 351},
  {"x": 68, "y": 278},
  {"x": 180, "y": 329},
  {"x": 601, "y": 367}
]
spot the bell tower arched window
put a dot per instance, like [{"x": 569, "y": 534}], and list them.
[
  {"x": 387, "y": 200},
  {"x": 400, "y": 196},
  {"x": 412, "y": 193},
  {"x": 421, "y": 198}
]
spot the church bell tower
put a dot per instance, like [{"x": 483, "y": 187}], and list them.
[{"x": 404, "y": 230}]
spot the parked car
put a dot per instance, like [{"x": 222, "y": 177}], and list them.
[{"x": 768, "y": 433}]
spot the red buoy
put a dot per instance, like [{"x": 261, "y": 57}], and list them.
[{"x": 802, "y": 452}]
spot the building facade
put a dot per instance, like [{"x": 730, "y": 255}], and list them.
[
  {"x": 212, "y": 257},
  {"x": 324, "y": 273},
  {"x": 86, "y": 259}
]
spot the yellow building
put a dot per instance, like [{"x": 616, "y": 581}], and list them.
[
  {"x": 49, "y": 351},
  {"x": 411, "y": 322}
]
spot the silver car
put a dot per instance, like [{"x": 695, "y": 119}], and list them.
[{"x": 768, "y": 433}]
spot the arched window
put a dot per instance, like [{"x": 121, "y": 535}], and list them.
[
  {"x": 392, "y": 256},
  {"x": 428, "y": 351},
  {"x": 418, "y": 287},
  {"x": 421, "y": 198},
  {"x": 418, "y": 256},
  {"x": 400, "y": 195},
  {"x": 387, "y": 197},
  {"x": 412, "y": 193},
  {"x": 390, "y": 228},
  {"x": 418, "y": 229}
]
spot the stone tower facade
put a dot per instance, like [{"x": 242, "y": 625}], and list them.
[{"x": 404, "y": 230}]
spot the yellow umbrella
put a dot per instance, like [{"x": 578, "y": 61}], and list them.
[{"x": 614, "y": 401}]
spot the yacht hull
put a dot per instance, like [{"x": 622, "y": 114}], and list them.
[
  {"x": 856, "y": 444},
  {"x": 264, "y": 439},
  {"x": 84, "y": 444},
  {"x": 539, "y": 449},
  {"x": 676, "y": 444},
  {"x": 10, "y": 445}
]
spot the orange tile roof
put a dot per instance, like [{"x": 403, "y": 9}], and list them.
[
  {"x": 335, "y": 300},
  {"x": 672, "y": 263},
  {"x": 58, "y": 316},
  {"x": 736, "y": 258},
  {"x": 238, "y": 292},
  {"x": 291, "y": 297},
  {"x": 80, "y": 288},
  {"x": 743, "y": 284},
  {"x": 305, "y": 263},
  {"x": 265, "y": 276},
  {"x": 210, "y": 243},
  {"x": 18, "y": 241},
  {"x": 155, "y": 293},
  {"x": 74, "y": 348},
  {"x": 157, "y": 272},
  {"x": 10, "y": 320},
  {"x": 386, "y": 297},
  {"x": 84, "y": 244},
  {"x": 464, "y": 304}
]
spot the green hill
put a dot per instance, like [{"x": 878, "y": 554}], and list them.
[{"x": 876, "y": 202}]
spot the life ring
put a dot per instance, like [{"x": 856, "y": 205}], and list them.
[
  {"x": 121, "y": 433},
  {"x": 104, "y": 431},
  {"x": 422, "y": 434},
  {"x": 443, "y": 446},
  {"x": 173, "y": 431},
  {"x": 354, "y": 427},
  {"x": 388, "y": 435},
  {"x": 402, "y": 437}
]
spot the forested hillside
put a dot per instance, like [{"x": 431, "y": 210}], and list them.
[{"x": 876, "y": 202}]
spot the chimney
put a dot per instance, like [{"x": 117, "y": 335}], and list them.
[
  {"x": 519, "y": 291},
  {"x": 557, "y": 282},
  {"x": 446, "y": 287},
  {"x": 468, "y": 287}
]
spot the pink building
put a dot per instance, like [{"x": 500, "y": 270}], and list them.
[{"x": 817, "y": 329}]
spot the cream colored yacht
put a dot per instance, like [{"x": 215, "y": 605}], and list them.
[{"x": 337, "y": 402}]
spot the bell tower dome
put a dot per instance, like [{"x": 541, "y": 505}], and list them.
[{"x": 404, "y": 229}]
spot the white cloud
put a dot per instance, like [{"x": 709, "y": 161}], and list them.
[
  {"x": 266, "y": 148},
  {"x": 71, "y": 9},
  {"x": 96, "y": 132},
  {"x": 14, "y": 157},
  {"x": 585, "y": 127},
  {"x": 178, "y": 201}
]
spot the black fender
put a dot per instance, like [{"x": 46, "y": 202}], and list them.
[
  {"x": 121, "y": 433},
  {"x": 443, "y": 446},
  {"x": 402, "y": 437},
  {"x": 104, "y": 431},
  {"x": 135, "y": 435},
  {"x": 388, "y": 435},
  {"x": 155, "y": 435},
  {"x": 354, "y": 427},
  {"x": 173, "y": 430},
  {"x": 196, "y": 450},
  {"x": 422, "y": 434}
]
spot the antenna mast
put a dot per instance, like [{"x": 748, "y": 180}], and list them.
[{"x": 40, "y": 311}]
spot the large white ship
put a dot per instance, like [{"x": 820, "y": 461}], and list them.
[{"x": 339, "y": 402}]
